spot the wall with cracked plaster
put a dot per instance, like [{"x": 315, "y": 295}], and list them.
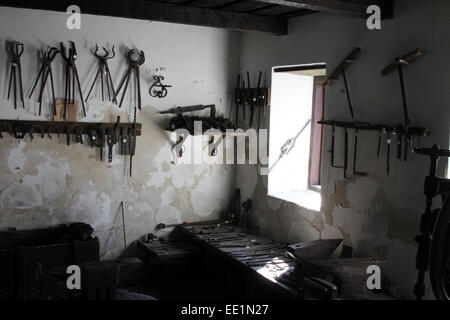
[
  {"x": 44, "y": 182},
  {"x": 377, "y": 215}
]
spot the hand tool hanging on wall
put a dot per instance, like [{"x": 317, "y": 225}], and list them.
[
  {"x": 333, "y": 140},
  {"x": 355, "y": 150},
  {"x": 251, "y": 98},
  {"x": 384, "y": 130},
  {"x": 245, "y": 97},
  {"x": 349, "y": 60},
  {"x": 132, "y": 142},
  {"x": 16, "y": 51},
  {"x": 257, "y": 97},
  {"x": 44, "y": 73},
  {"x": 398, "y": 64},
  {"x": 135, "y": 59},
  {"x": 71, "y": 77},
  {"x": 238, "y": 98},
  {"x": 158, "y": 89},
  {"x": 104, "y": 74}
]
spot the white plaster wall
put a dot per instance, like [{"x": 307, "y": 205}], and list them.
[
  {"x": 377, "y": 215},
  {"x": 45, "y": 182}
]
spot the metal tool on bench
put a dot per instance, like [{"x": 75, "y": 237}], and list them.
[
  {"x": 434, "y": 240},
  {"x": 16, "y": 51},
  {"x": 398, "y": 64},
  {"x": 136, "y": 59},
  {"x": 71, "y": 77},
  {"x": 44, "y": 73},
  {"x": 161, "y": 226},
  {"x": 104, "y": 74},
  {"x": 349, "y": 60}
]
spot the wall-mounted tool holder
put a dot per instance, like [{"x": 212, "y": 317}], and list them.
[
  {"x": 384, "y": 130},
  {"x": 340, "y": 70},
  {"x": 181, "y": 121},
  {"x": 99, "y": 134},
  {"x": 398, "y": 65},
  {"x": 255, "y": 97}
]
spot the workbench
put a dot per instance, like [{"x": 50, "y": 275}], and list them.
[{"x": 262, "y": 261}]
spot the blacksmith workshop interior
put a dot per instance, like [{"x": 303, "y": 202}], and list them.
[{"x": 210, "y": 150}]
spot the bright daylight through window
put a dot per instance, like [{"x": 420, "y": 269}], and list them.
[{"x": 295, "y": 141}]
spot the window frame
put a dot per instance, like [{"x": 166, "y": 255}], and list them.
[{"x": 315, "y": 153}]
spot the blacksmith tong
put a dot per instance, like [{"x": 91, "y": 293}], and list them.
[
  {"x": 16, "y": 50},
  {"x": 44, "y": 73},
  {"x": 71, "y": 77},
  {"x": 135, "y": 58},
  {"x": 104, "y": 74}
]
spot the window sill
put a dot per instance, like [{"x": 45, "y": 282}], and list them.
[{"x": 309, "y": 199}]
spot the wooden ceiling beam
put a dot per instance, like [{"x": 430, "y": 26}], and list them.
[
  {"x": 337, "y": 6},
  {"x": 164, "y": 12}
]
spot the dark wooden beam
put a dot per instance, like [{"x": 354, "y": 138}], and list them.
[
  {"x": 162, "y": 11},
  {"x": 337, "y": 6}
]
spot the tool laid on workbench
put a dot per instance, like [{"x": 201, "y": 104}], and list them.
[
  {"x": 349, "y": 60},
  {"x": 16, "y": 50},
  {"x": 71, "y": 77},
  {"x": 398, "y": 65},
  {"x": 135, "y": 59},
  {"x": 104, "y": 74},
  {"x": 158, "y": 89},
  {"x": 44, "y": 73}
]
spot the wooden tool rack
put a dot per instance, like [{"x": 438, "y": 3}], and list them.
[{"x": 19, "y": 128}]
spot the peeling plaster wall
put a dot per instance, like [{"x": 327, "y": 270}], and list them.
[
  {"x": 45, "y": 182},
  {"x": 377, "y": 215}
]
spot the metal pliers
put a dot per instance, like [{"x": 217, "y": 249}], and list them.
[
  {"x": 71, "y": 71},
  {"x": 16, "y": 50},
  {"x": 45, "y": 72},
  {"x": 135, "y": 58},
  {"x": 103, "y": 71}
]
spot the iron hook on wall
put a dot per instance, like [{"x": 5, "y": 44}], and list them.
[{"x": 158, "y": 89}]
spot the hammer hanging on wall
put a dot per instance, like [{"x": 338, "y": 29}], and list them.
[
  {"x": 398, "y": 64},
  {"x": 349, "y": 60}
]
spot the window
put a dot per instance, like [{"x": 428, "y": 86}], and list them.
[{"x": 295, "y": 141}]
